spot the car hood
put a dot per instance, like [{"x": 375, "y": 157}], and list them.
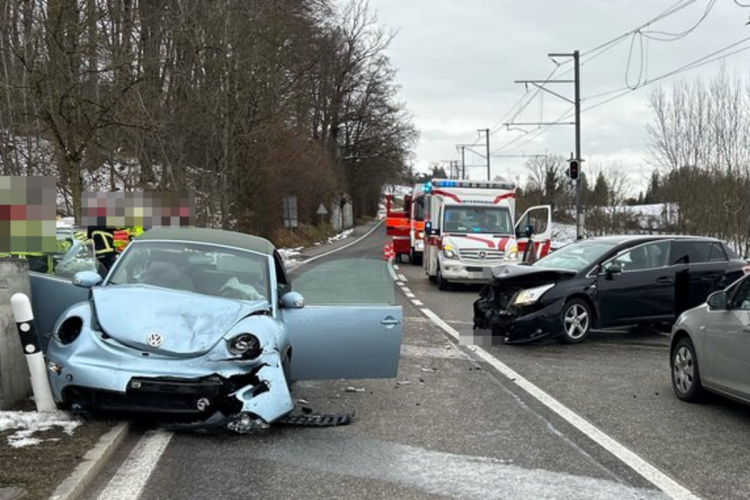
[
  {"x": 516, "y": 274},
  {"x": 189, "y": 324}
]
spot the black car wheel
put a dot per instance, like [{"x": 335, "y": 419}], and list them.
[
  {"x": 686, "y": 379},
  {"x": 286, "y": 365},
  {"x": 441, "y": 282},
  {"x": 413, "y": 257},
  {"x": 576, "y": 318}
]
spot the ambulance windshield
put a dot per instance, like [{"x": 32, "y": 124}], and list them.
[{"x": 490, "y": 220}]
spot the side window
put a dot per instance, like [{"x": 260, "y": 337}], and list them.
[
  {"x": 688, "y": 252},
  {"x": 741, "y": 299},
  {"x": 80, "y": 257},
  {"x": 649, "y": 256},
  {"x": 715, "y": 251}
]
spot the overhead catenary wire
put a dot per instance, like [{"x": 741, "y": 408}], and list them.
[{"x": 621, "y": 92}]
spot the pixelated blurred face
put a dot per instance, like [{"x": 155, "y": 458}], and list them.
[
  {"x": 142, "y": 209},
  {"x": 27, "y": 214}
]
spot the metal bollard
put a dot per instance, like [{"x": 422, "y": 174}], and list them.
[{"x": 27, "y": 331}]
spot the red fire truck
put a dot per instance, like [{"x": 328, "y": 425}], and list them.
[{"x": 398, "y": 225}]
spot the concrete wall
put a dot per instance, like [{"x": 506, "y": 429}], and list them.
[
  {"x": 15, "y": 383},
  {"x": 336, "y": 219},
  {"x": 348, "y": 215}
]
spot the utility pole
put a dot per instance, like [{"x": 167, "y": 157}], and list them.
[
  {"x": 576, "y": 101},
  {"x": 577, "y": 78},
  {"x": 487, "y": 145},
  {"x": 463, "y": 162}
]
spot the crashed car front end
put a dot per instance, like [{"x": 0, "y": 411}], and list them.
[
  {"x": 520, "y": 304},
  {"x": 224, "y": 364}
]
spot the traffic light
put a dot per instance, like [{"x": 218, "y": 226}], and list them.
[{"x": 574, "y": 170}]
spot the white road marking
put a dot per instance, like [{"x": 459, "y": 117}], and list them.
[
  {"x": 132, "y": 476},
  {"x": 402, "y": 277},
  {"x": 656, "y": 477},
  {"x": 395, "y": 266},
  {"x": 311, "y": 259},
  {"x": 410, "y": 295},
  {"x": 417, "y": 302}
]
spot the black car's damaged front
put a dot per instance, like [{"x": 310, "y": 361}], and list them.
[
  {"x": 521, "y": 304},
  {"x": 524, "y": 303}
]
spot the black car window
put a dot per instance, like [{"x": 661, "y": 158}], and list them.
[
  {"x": 687, "y": 252},
  {"x": 741, "y": 299},
  {"x": 715, "y": 251},
  {"x": 642, "y": 257},
  {"x": 731, "y": 253}
]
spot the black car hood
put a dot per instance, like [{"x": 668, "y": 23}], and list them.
[{"x": 511, "y": 274}]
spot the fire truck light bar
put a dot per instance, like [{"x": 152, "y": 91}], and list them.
[{"x": 472, "y": 184}]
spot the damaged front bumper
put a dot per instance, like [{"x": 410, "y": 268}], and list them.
[
  {"x": 516, "y": 324},
  {"x": 176, "y": 389}
]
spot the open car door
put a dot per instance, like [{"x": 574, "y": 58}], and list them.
[
  {"x": 344, "y": 341},
  {"x": 540, "y": 219}
]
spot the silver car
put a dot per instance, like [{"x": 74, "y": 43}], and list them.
[{"x": 710, "y": 349}]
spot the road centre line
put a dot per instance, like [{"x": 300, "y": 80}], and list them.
[{"x": 653, "y": 475}]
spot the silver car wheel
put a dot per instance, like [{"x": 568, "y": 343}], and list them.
[
  {"x": 576, "y": 321},
  {"x": 684, "y": 370}
]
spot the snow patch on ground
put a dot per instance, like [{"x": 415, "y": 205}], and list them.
[
  {"x": 28, "y": 423},
  {"x": 341, "y": 236}
]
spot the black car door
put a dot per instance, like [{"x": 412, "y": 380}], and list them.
[
  {"x": 636, "y": 286},
  {"x": 700, "y": 268}
]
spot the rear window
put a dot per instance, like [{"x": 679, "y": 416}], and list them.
[
  {"x": 731, "y": 253},
  {"x": 695, "y": 252}
]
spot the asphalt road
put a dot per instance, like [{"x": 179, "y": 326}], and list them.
[{"x": 459, "y": 428}]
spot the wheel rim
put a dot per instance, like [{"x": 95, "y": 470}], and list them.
[
  {"x": 576, "y": 321},
  {"x": 683, "y": 372}
]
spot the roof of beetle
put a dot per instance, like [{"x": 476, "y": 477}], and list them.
[{"x": 213, "y": 236}]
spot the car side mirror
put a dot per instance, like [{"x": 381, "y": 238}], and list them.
[
  {"x": 718, "y": 300},
  {"x": 86, "y": 279},
  {"x": 292, "y": 300},
  {"x": 612, "y": 271}
]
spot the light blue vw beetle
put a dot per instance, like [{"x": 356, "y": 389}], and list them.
[{"x": 203, "y": 324}]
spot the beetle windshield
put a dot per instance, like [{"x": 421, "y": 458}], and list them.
[
  {"x": 192, "y": 267},
  {"x": 576, "y": 256}
]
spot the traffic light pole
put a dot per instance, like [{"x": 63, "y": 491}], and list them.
[
  {"x": 576, "y": 101},
  {"x": 577, "y": 77}
]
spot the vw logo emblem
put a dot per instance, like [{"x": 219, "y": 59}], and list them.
[
  {"x": 482, "y": 255},
  {"x": 154, "y": 339}
]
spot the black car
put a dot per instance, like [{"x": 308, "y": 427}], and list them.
[{"x": 604, "y": 282}]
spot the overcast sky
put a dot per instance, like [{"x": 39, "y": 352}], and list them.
[{"x": 457, "y": 61}]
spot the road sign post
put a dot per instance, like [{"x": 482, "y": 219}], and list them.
[
  {"x": 291, "y": 219},
  {"x": 322, "y": 212}
]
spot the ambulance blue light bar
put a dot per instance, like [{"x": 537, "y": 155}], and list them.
[{"x": 438, "y": 183}]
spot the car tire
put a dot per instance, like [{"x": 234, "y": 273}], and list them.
[
  {"x": 576, "y": 321},
  {"x": 286, "y": 365},
  {"x": 686, "y": 378},
  {"x": 413, "y": 257},
  {"x": 431, "y": 277},
  {"x": 442, "y": 283}
]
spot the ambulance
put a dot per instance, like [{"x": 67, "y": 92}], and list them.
[{"x": 471, "y": 227}]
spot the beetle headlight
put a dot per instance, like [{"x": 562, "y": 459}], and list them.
[
  {"x": 245, "y": 344},
  {"x": 531, "y": 295}
]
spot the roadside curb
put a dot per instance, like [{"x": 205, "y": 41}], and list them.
[
  {"x": 93, "y": 462},
  {"x": 301, "y": 263}
]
